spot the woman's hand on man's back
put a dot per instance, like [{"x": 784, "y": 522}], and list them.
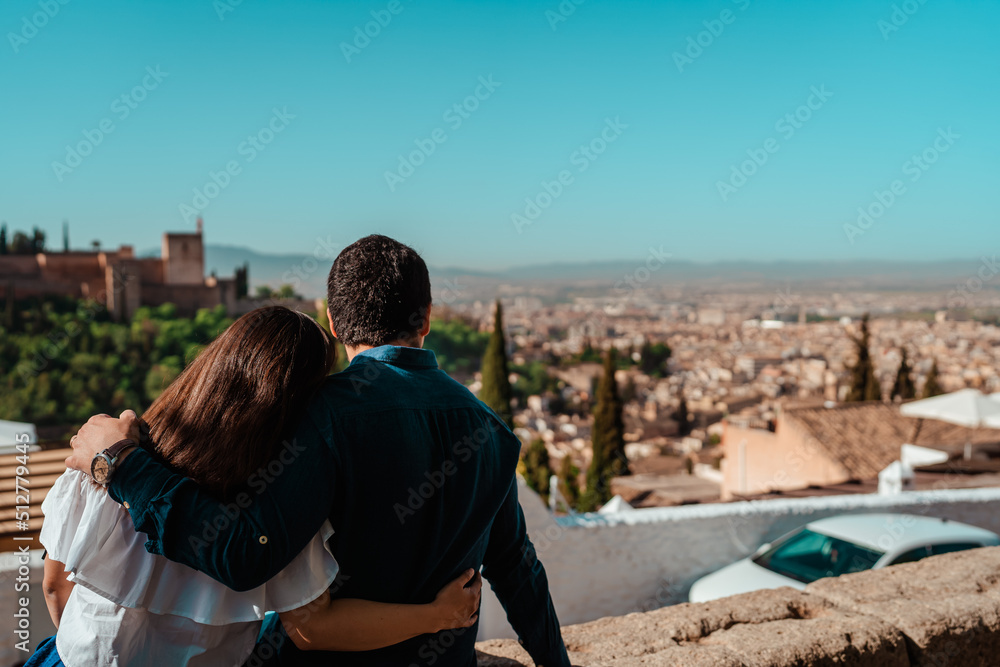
[{"x": 457, "y": 604}]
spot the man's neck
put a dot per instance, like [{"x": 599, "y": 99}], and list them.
[{"x": 355, "y": 350}]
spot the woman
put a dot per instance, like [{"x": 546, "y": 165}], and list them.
[{"x": 115, "y": 604}]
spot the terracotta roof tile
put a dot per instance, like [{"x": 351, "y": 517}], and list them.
[{"x": 865, "y": 437}]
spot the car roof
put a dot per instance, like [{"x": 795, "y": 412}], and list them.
[{"x": 892, "y": 533}]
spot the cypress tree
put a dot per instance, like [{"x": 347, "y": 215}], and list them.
[
  {"x": 243, "y": 282},
  {"x": 538, "y": 472},
  {"x": 65, "y": 235},
  {"x": 3, "y": 239},
  {"x": 683, "y": 417},
  {"x": 931, "y": 385},
  {"x": 607, "y": 440},
  {"x": 496, "y": 391},
  {"x": 569, "y": 483},
  {"x": 9, "y": 312},
  {"x": 903, "y": 386},
  {"x": 864, "y": 386},
  {"x": 37, "y": 240}
]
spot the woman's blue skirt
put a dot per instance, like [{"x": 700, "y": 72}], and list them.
[{"x": 45, "y": 655}]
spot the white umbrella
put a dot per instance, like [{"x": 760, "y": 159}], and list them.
[{"x": 965, "y": 407}]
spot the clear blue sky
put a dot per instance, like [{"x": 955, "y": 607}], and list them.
[{"x": 656, "y": 184}]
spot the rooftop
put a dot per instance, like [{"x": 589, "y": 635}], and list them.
[{"x": 866, "y": 437}]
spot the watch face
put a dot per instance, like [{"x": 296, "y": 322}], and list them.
[{"x": 100, "y": 469}]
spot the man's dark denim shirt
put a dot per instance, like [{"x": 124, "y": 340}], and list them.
[{"x": 417, "y": 477}]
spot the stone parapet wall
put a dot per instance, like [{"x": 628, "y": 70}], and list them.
[
  {"x": 942, "y": 611},
  {"x": 612, "y": 565}
]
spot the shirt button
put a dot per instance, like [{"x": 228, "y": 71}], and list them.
[
  {"x": 263, "y": 539},
  {"x": 127, "y": 506}
]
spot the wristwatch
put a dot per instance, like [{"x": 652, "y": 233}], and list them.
[{"x": 102, "y": 468}]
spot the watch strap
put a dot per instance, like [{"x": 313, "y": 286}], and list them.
[{"x": 114, "y": 450}]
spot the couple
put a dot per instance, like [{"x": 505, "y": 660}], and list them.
[{"x": 358, "y": 506}]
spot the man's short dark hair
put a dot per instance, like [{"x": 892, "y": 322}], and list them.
[{"x": 378, "y": 292}]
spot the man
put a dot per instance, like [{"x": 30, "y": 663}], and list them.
[{"x": 415, "y": 474}]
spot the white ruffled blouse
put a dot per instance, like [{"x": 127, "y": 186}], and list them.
[{"x": 130, "y": 607}]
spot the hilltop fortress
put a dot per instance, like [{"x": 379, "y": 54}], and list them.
[{"x": 123, "y": 281}]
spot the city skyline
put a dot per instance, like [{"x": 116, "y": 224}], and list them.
[{"x": 508, "y": 134}]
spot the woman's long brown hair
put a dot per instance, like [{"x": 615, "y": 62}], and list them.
[{"x": 226, "y": 414}]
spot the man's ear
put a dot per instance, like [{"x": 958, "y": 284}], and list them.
[
  {"x": 329, "y": 319},
  {"x": 426, "y": 329}
]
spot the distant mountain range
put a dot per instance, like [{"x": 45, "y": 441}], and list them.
[{"x": 309, "y": 274}]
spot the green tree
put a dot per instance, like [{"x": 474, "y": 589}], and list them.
[
  {"x": 459, "y": 346},
  {"x": 65, "y": 235},
  {"x": 864, "y": 386},
  {"x": 242, "y": 280},
  {"x": 569, "y": 482},
  {"x": 264, "y": 292},
  {"x": 288, "y": 292},
  {"x": 931, "y": 385},
  {"x": 607, "y": 440},
  {"x": 9, "y": 314},
  {"x": 37, "y": 240},
  {"x": 588, "y": 354},
  {"x": 904, "y": 386},
  {"x": 653, "y": 358},
  {"x": 3, "y": 239},
  {"x": 538, "y": 472},
  {"x": 496, "y": 391},
  {"x": 21, "y": 244}
]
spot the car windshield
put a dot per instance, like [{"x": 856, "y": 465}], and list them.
[{"x": 807, "y": 556}]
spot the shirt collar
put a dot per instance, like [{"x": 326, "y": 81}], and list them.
[{"x": 413, "y": 357}]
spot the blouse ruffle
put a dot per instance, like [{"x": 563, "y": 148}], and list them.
[{"x": 94, "y": 538}]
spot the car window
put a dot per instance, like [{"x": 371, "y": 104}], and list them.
[
  {"x": 939, "y": 549},
  {"x": 911, "y": 556},
  {"x": 807, "y": 556}
]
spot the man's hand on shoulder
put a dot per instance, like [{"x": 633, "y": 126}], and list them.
[{"x": 99, "y": 433}]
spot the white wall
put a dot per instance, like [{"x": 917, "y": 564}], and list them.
[{"x": 611, "y": 565}]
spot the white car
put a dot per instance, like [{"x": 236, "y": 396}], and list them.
[{"x": 841, "y": 545}]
